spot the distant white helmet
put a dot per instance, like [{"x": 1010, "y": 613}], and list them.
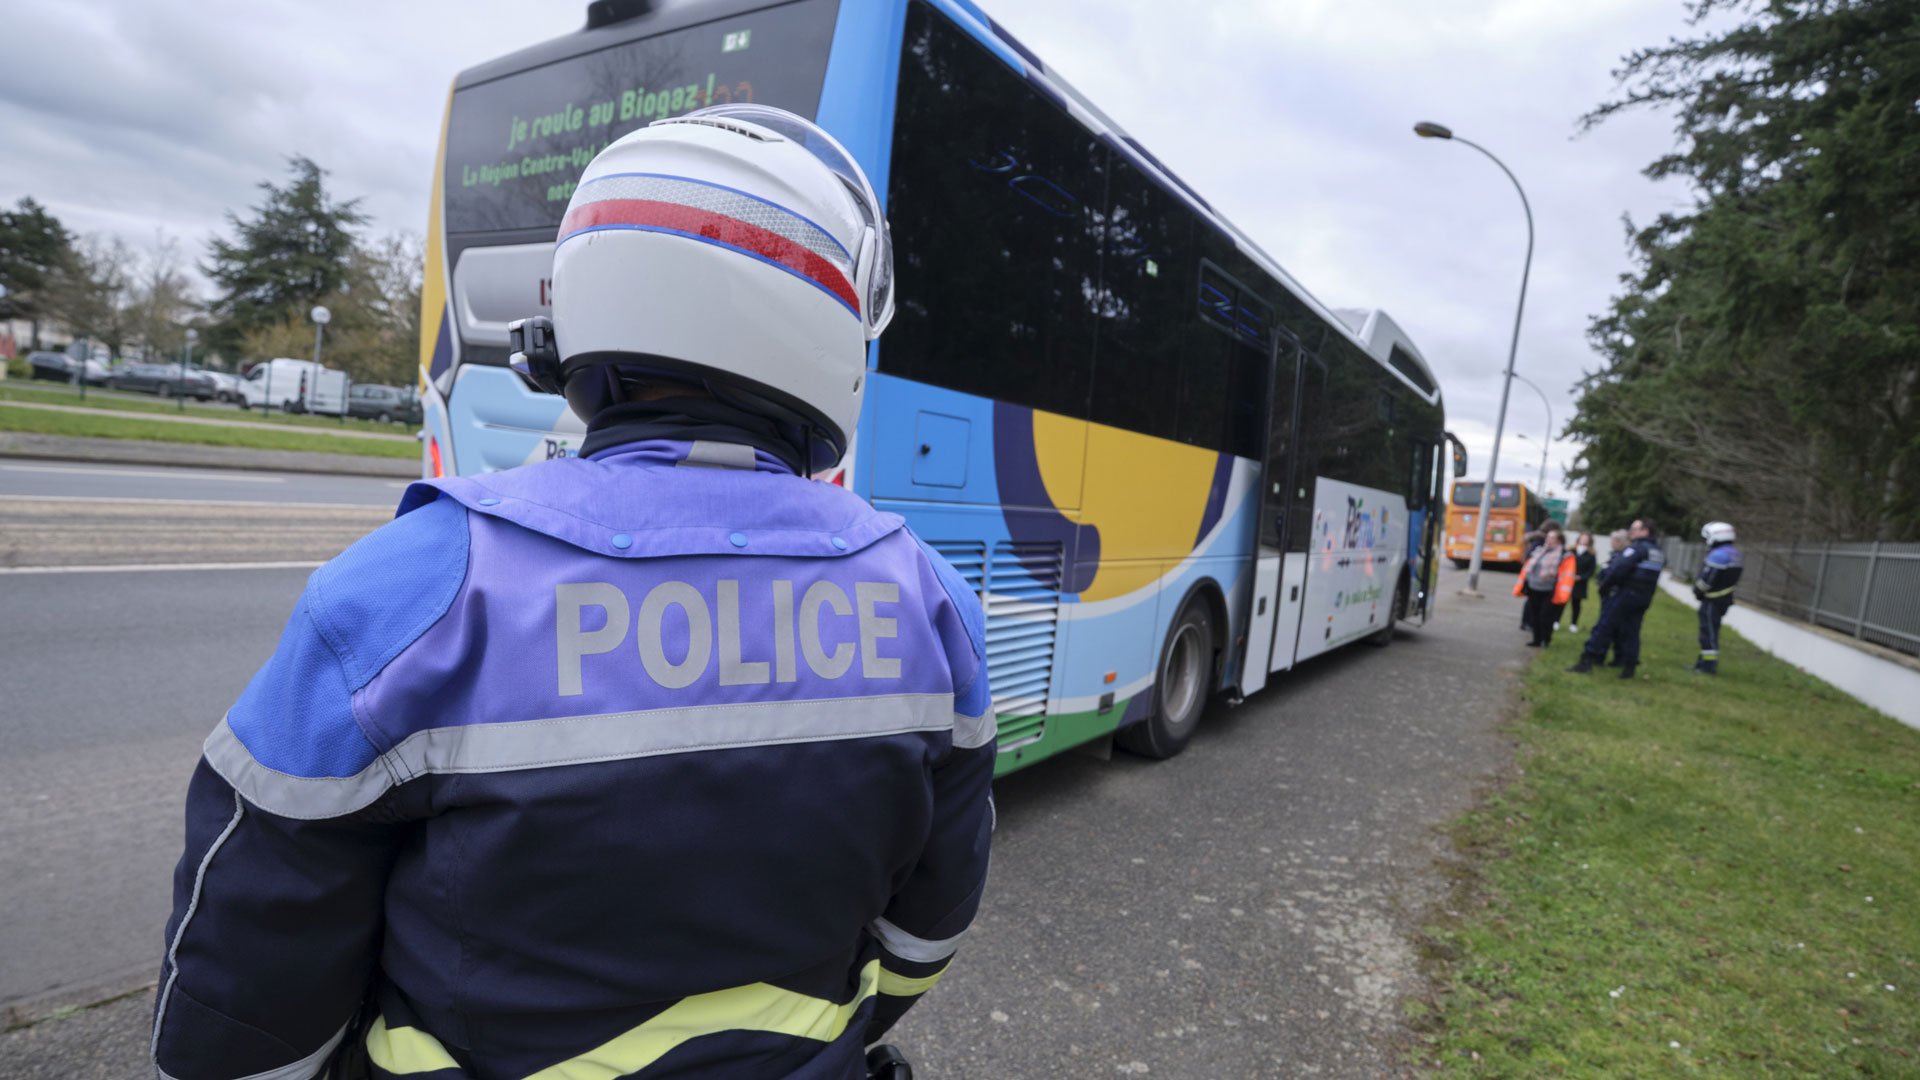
[
  {"x": 1717, "y": 532},
  {"x": 738, "y": 246}
]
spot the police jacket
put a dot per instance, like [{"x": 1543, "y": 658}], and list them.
[
  {"x": 1720, "y": 572},
  {"x": 1636, "y": 570},
  {"x": 596, "y": 767}
]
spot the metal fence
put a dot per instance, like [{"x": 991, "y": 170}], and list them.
[{"x": 1868, "y": 591}]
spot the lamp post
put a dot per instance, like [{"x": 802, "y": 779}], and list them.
[
  {"x": 1548, "y": 405},
  {"x": 185, "y": 359},
  {"x": 321, "y": 316},
  {"x": 1428, "y": 130},
  {"x": 1542, "y": 489}
]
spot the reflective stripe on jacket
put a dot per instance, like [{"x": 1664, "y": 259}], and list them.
[
  {"x": 1720, "y": 571},
  {"x": 599, "y": 766}
]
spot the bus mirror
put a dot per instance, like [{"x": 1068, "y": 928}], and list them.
[{"x": 1459, "y": 456}]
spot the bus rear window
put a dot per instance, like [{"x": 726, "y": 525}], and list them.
[
  {"x": 1467, "y": 493},
  {"x": 516, "y": 145}
]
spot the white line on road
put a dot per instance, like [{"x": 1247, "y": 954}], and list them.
[
  {"x": 171, "y": 474},
  {"x": 192, "y": 502},
  {"x": 127, "y": 568}
]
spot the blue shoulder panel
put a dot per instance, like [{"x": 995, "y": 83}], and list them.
[
  {"x": 976, "y": 697},
  {"x": 382, "y": 593},
  {"x": 358, "y": 612}
]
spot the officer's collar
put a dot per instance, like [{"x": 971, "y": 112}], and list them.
[
  {"x": 690, "y": 420},
  {"x": 698, "y": 454}
]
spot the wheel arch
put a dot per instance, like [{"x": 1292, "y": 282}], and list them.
[{"x": 1216, "y": 600}]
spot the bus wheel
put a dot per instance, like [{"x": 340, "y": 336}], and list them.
[
  {"x": 1461, "y": 564},
  {"x": 1384, "y": 637},
  {"x": 1179, "y": 688}
]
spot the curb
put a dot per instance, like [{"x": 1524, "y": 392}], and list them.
[
  {"x": 138, "y": 452},
  {"x": 27, "y": 1011}
]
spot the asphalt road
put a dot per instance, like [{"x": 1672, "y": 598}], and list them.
[
  {"x": 77, "y": 515},
  {"x": 110, "y": 683},
  {"x": 1243, "y": 910}
]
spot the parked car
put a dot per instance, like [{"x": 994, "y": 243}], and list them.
[
  {"x": 59, "y": 367},
  {"x": 163, "y": 379},
  {"x": 225, "y": 387},
  {"x": 380, "y": 402}
]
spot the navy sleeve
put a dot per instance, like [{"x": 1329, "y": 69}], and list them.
[
  {"x": 1620, "y": 568},
  {"x": 928, "y": 916},
  {"x": 277, "y": 906}
]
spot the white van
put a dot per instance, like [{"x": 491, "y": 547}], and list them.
[{"x": 290, "y": 386}]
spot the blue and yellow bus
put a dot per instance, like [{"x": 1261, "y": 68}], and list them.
[{"x": 1168, "y": 470}]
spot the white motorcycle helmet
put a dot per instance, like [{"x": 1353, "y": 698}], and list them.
[
  {"x": 1717, "y": 532},
  {"x": 739, "y": 247}
]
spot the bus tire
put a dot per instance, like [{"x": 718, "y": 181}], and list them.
[
  {"x": 1383, "y": 637},
  {"x": 1461, "y": 564},
  {"x": 1180, "y": 686}
]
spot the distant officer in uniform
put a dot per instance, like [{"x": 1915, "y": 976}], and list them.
[
  {"x": 1629, "y": 582},
  {"x": 1719, "y": 573},
  {"x": 662, "y": 760}
]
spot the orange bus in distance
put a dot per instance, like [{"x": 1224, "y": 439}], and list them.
[{"x": 1514, "y": 511}]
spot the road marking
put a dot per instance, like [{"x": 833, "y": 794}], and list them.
[
  {"x": 192, "y": 502},
  {"x": 170, "y": 475},
  {"x": 129, "y": 567}
]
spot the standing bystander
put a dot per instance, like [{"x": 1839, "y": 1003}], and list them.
[
  {"x": 1633, "y": 576},
  {"x": 1714, "y": 589},
  {"x": 1547, "y": 579},
  {"x": 1584, "y": 564}
]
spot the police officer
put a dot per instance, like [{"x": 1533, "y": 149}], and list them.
[
  {"x": 1628, "y": 583},
  {"x": 1719, "y": 573},
  {"x": 663, "y": 759}
]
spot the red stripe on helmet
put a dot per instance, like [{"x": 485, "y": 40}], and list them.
[{"x": 720, "y": 228}]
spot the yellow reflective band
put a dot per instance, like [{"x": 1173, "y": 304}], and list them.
[
  {"x": 406, "y": 1050},
  {"x": 893, "y": 984},
  {"x": 1722, "y": 592},
  {"x": 757, "y": 1007}
]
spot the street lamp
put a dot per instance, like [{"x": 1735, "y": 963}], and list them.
[
  {"x": 185, "y": 359},
  {"x": 1429, "y": 130},
  {"x": 1542, "y": 490},
  {"x": 321, "y": 316},
  {"x": 1549, "y": 408}
]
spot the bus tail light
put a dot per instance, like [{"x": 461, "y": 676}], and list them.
[{"x": 433, "y": 455}]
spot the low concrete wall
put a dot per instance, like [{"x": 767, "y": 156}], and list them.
[{"x": 1890, "y": 687}]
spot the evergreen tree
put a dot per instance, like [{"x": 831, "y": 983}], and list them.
[
  {"x": 34, "y": 247},
  {"x": 1761, "y": 361},
  {"x": 293, "y": 252}
]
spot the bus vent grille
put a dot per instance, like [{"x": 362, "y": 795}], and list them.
[{"x": 1019, "y": 586}]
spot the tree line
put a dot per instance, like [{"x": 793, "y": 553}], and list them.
[
  {"x": 299, "y": 246},
  {"x": 1759, "y": 363}
]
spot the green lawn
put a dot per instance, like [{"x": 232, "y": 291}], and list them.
[
  {"x": 115, "y": 425},
  {"x": 56, "y": 394},
  {"x": 1690, "y": 877}
]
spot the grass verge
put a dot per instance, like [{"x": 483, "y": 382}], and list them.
[
  {"x": 111, "y": 425},
  {"x": 1689, "y": 877},
  {"x": 55, "y": 394}
]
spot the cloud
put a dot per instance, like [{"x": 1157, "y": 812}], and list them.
[{"x": 1292, "y": 118}]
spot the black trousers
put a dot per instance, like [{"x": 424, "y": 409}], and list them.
[
  {"x": 1542, "y": 613},
  {"x": 1619, "y": 627},
  {"x": 1579, "y": 598},
  {"x": 1712, "y": 610}
]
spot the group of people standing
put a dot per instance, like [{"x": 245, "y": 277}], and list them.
[{"x": 1555, "y": 576}]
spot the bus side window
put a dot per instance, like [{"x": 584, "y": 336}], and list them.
[
  {"x": 995, "y": 262},
  {"x": 1307, "y": 460},
  {"x": 1146, "y": 296}
]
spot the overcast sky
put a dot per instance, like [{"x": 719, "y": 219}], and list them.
[{"x": 151, "y": 118}]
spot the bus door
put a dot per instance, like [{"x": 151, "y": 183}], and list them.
[{"x": 1276, "y": 574}]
